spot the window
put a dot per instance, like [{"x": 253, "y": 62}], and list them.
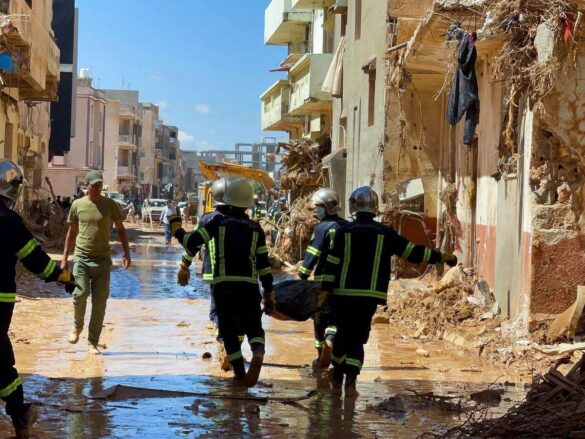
[
  {"x": 343, "y": 27},
  {"x": 8, "y": 136},
  {"x": 371, "y": 97},
  {"x": 358, "y": 19}
]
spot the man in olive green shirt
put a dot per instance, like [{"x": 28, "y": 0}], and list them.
[{"x": 90, "y": 221}]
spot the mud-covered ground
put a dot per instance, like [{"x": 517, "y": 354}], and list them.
[{"x": 157, "y": 335}]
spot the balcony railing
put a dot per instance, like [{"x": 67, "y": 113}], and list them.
[
  {"x": 36, "y": 51},
  {"x": 283, "y": 25},
  {"x": 275, "y": 104},
  {"x": 312, "y": 4},
  {"x": 307, "y": 77},
  {"x": 127, "y": 138}
]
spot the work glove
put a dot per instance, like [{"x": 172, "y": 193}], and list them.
[
  {"x": 303, "y": 276},
  {"x": 176, "y": 222},
  {"x": 449, "y": 259},
  {"x": 66, "y": 278},
  {"x": 183, "y": 275},
  {"x": 269, "y": 302}
]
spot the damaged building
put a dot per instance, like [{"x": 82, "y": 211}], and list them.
[
  {"x": 466, "y": 115},
  {"x": 503, "y": 174},
  {"x": 29, "y": 72}
]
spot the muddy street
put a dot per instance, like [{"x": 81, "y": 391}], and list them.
[{"x": 158, "y": 337}]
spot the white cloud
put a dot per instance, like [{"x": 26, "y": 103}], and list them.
[
  {"x": 202, "y": 108},
  {"x": 185, "y": 138}
]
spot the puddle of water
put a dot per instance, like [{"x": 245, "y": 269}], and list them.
[{"x": 157, "y": 333}]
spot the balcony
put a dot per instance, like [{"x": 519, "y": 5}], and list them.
[
  {"x": 306, "y": 78},
  {"x": 283, "y": 25},
  {"x": 312, "y": 4},
  {"x": 36, "y": 53},
  {"x": 126, "y": 140},
  {"x": 129, "y": 111},
  {"x": 275, "y": 104}
]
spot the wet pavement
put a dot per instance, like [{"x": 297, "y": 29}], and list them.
[{"x": 157, "y": 335}]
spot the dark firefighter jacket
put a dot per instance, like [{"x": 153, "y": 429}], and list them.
[
  {"x": 187, "y": 259},
  {"x": 318, "y": 249},
  {"x": 256, "y": 213},
  {"x": 240, "y": 253},
  {"x": 358, "y": 265},
  {"x": 17, "y": 243}
]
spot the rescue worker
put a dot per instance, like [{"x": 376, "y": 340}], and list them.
[
  {"x": 255, "y": 213},
  {"x": 240, "y": 256},
  {"x": 218, "y": 189},
  {"x": 325, "y": 203},
  {"x": 276, "y": 216},
  {"x": 356, "y": 278},
  {"x": 18, "y": 244}
]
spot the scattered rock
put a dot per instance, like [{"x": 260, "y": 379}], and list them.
[
  {"x": 565, "y": 325},
  {"x": 482, "y": 290},
  {"x": 206, "y": 355},
  {"x": 486, "y": 316},
  {"x": 496, "y": 308},
  {"x": 422, "y": 353},
  {"x": 183, "y": 324}
]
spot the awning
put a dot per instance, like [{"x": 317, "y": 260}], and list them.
[{"x": 333, "y": 82}]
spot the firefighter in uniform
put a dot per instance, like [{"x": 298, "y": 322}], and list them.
[
  {"x": 240, "y": 256},
  {"x": 17, "y": 243},
  {"x": 255, "y": 213},
  {"x": 326, "y": 207},
  {"x": 217, "y": 193},
  {"x": 356, "y": 274},
  {"x": 276, "y": 216}
]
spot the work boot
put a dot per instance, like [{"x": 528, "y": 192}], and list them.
[
  {"x": 350, "y": 387},
  {"x": 255, "y": 367},
  {"x": 93, "y": 349},
  {"x": 240, "y": 375},
  {"x": 74, "y": 335},
  {"x": 325, "y": 358},
  {"x": 317, "y": 361},
  {"x": 23, "y": 422},
  {"x": 336, "y": 381}
]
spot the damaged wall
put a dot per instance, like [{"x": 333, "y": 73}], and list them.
[{"x": 557, "y": 182}]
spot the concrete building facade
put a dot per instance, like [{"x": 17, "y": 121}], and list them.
[
  {"x": 87, "y": 150},
  {"x": 29, "y": 85}
]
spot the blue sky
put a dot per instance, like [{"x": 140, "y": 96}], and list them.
[{"x": 203, "y": 61}]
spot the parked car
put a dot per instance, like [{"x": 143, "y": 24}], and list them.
[{"x": 152, "y": 208}]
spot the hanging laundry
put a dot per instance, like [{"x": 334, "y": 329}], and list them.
[{"x": 464, "y": 94}]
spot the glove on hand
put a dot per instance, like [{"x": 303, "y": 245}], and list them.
[
  {"x": 183, "y": 275},
  {"x": 176, "y": 222},
  {"x": 66, "y": 278},
  {"x": 449, "y": 259},
  {"x": 269, "y": 302},
  {"x": 303, "y": 276}
]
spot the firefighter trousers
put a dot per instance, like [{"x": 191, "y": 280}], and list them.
[
  {"x": 237, "y": 305},
  {"x": 11, "y": 390},
  {"x": 353, "y": 316}
]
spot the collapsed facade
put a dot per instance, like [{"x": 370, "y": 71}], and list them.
[{"x": 500, "y": 184}]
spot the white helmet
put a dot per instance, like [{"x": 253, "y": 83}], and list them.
[
  {"x": 363, "y": 200},
  {"x": 239, "y": 193},
  {"x": 218, "y": 189},
  {"x": 328, "y": 198},
  {"x": 11, "y": 180}
]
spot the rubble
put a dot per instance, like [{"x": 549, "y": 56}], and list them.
[
  {"x": 301, "y": 162},
  {"x": 565, "y": 325},
  {"x": 294, "y": 232},
  {"x": 553, "y": 408}
]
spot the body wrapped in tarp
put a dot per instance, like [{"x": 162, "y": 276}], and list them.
[{"x": 297, "y": 299}]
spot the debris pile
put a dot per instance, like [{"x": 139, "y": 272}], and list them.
[
  {"x": 553, "y": 408},
  {"x": 47, "y": 221},
  {"x": 301, "y": 162},
  {"x": 294, "y": 232},
  {"x": 431, "y": 311}
]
